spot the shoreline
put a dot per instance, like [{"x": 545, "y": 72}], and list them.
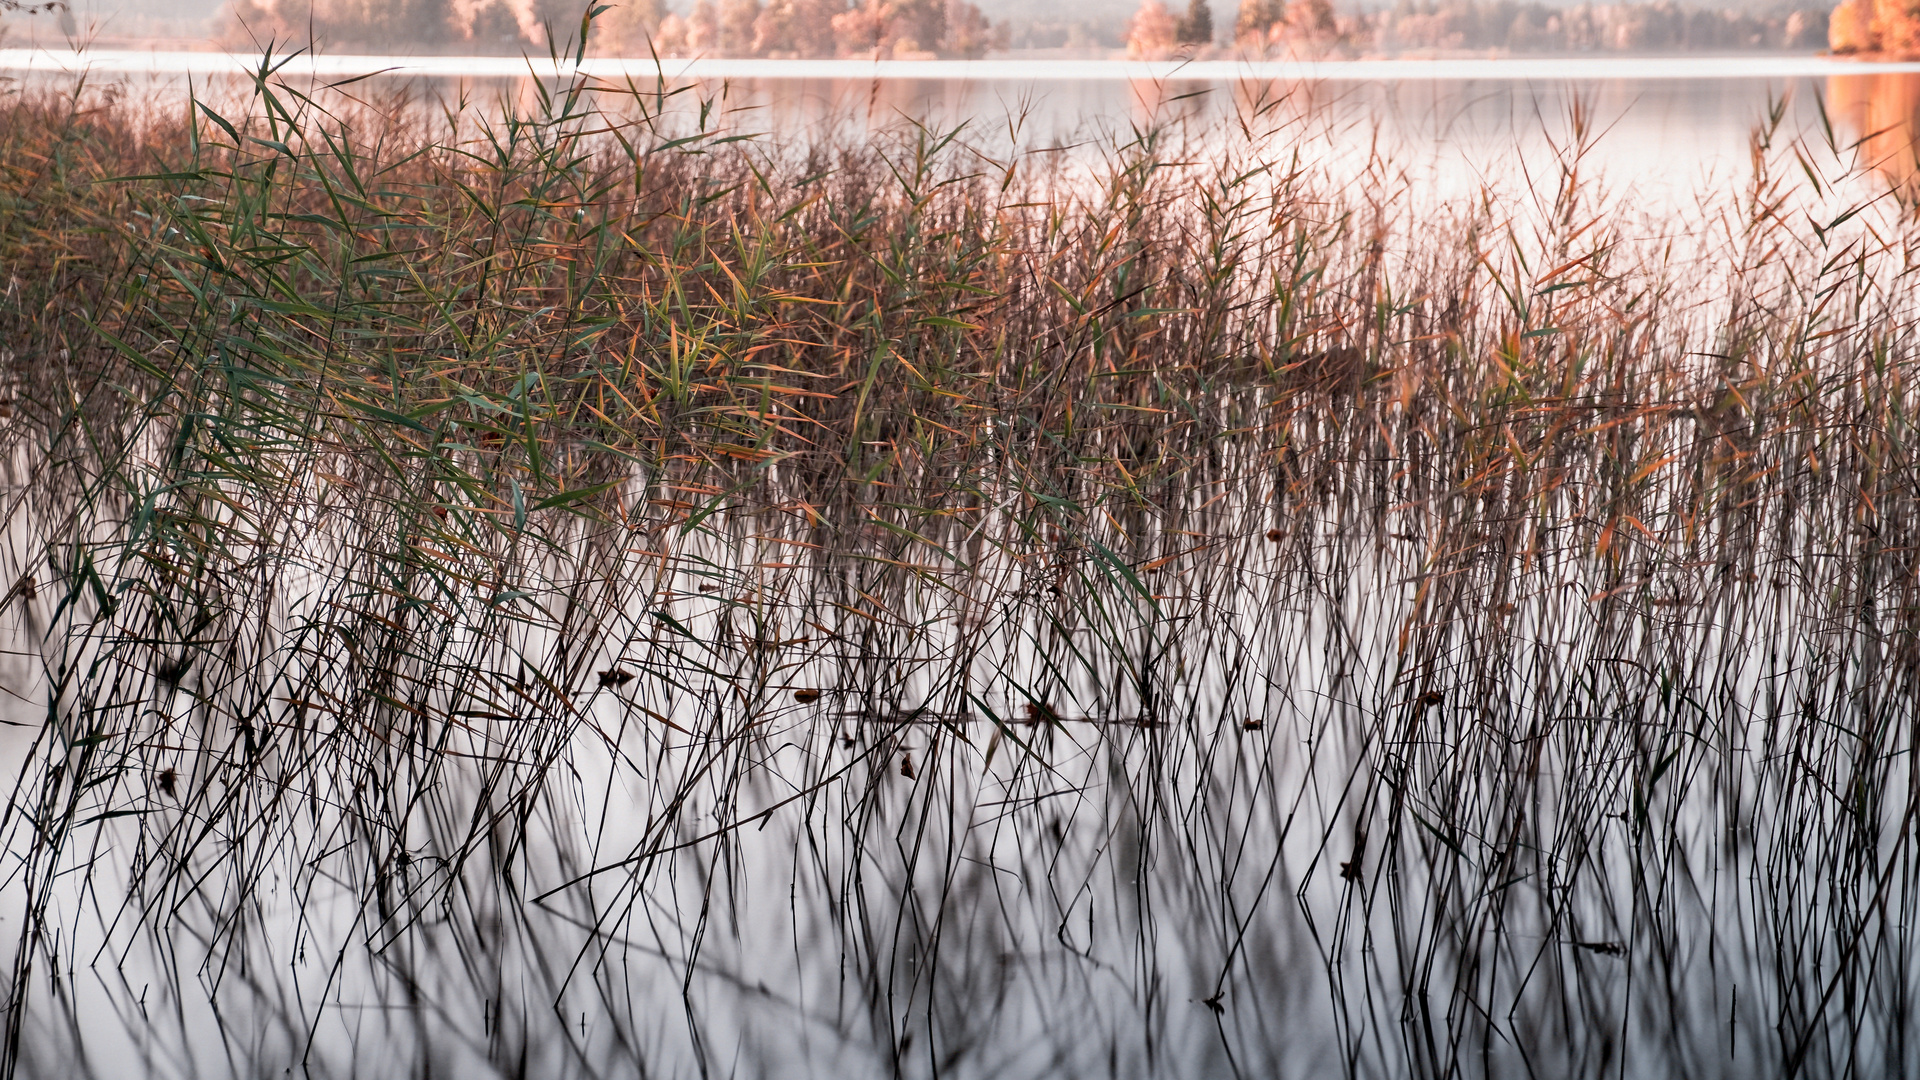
[{"x": 135, "y": 62}]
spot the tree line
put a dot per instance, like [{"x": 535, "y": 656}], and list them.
[
  {"x": 917, "y": 29},
  {"x": 1313, "y": 27},
  {"x": 905, "y": 29}
]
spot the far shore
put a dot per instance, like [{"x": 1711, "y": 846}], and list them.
[{"x": 1008, "y": 69}]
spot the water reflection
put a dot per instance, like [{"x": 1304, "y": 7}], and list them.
[{"x": 1883, "y": 112}]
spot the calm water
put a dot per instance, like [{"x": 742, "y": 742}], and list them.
[
  {"x": 890, "y": 882},
  {"x": 1671, "y": 127}
]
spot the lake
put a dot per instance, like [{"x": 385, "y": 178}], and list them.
[{"x": 1672, "y": 125}]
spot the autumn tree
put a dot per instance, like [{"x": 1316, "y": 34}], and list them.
[
  {"x": 917, "y": 26},
  {"x": 703, "y": 29},
  {"x": 1850, "y": 27},
  {"x": 628, "y": 27},
  {"x": 1310, "y": 22},
  {"x": 903, "y": 28},
  {"x": 1896, "y": 26},
  {"x": 384, "y": 24},
  {"x": 737, "y": 19},
  {"x": 1875, "y": 26},
  {"x": 969, "y": 34},
  {"x": 1196, "y": 28},
  {"x": 375, "y": 25},
  {"x": 796, "y": 28},
  {"x": 1153, "y": 32},
  {"x": 859, "y": 30},
  {"x": 671, "y": 38},
  {"x": 1257, "y": 18}
]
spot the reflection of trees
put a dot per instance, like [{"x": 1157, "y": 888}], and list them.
[{"x": 1883, "y": 111}]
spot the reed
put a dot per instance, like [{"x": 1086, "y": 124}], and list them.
[{"x": 560, "y": 587}]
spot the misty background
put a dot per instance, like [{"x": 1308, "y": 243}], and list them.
[{"x": 956, "y": 28}]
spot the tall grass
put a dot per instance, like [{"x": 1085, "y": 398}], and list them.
[{"x": 559, "y": 589}]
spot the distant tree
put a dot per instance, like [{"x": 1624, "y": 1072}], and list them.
[
  {"x": 969, "y": 34},
  {"x": 425, "y": 21},
  {"x": 495, "y": 28},
  {"x": 1311, "y": 22},
  {"x": 1803, "y": 29},
  {"x": 627, "y": 27},
  {"x": 1531, "y": 25},
  {"x": 1153, "y": 32},
  {"x": 860, "y": 30},
  {"x": 917, "y": 27},
  {"x": 383, "y": 23},
  {"x": 796, "y": 28},
  {"x": 813, "y": 26},
  {"x": 1896, "y": 26},
  {"x": 558, "y": 21},
  {"x": 773, "y": 29},
  {"x": 249, "y": 23},
  {"x": 1196, "y": 28},
  {"x": 737, "y": 18},
  {"x": 671, "y": 38},
  {"x": 1629, "y": 32},
  {"x": 703, "y": 29},
  {"x": 1254, "y": 25}
]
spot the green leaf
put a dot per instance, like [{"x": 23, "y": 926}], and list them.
[
  {"x": 387, "y": 415},
  {"x": 675, "y": 625},
  {"x": 218, "y": 119},
  {"x": 567, "y": 498}
]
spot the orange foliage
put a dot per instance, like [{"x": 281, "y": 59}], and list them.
[{"x": 1885, "y": 110}]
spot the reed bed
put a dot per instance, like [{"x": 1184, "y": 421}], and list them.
[{"x": 562, "y": 589}]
